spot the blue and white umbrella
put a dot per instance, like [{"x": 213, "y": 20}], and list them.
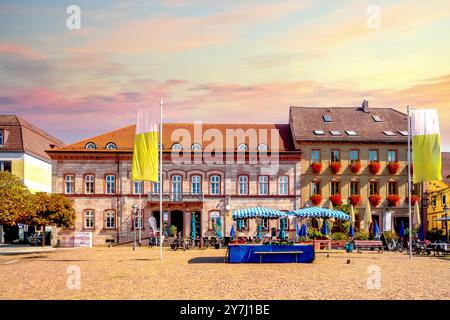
[
  {"x": 258, "y": 212},
  {"x": 232, "y": 232},
  {"x": 317, "y": 212}
]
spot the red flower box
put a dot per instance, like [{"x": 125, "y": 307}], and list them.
[
  {"x": 414, "y": 198},
  {"x": 374, "y": 167},
  {"x": 393, "y": 200},
  {"x": 335, "y": 167},
  {"x": 355, "y": 167},
  {"x": 355, "y": 200},
  {"x": 375, "y": 200},
  {"x": 316, "y": 167},
  {"x": 393, "y": 167},
  {"x": 316, "y": 199},
  {"x": 336, "y": 199}
]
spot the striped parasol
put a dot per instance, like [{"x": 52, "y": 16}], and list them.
[
  {"x": 258, "y": 212},
  {"x": 317, "y": 212}
]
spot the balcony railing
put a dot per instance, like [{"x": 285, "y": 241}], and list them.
[{"x": 176, "y": 197}]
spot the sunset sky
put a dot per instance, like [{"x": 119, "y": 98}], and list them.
[{"x": 218, "y": 61}]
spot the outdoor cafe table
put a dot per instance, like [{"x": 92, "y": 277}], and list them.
[{"x": 254, "y": 253}]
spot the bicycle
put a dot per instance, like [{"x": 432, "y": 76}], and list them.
[
  {"x": 35, "y": 239},
  {"x": 395, "y": 245},
  {"x": 180, "y": 242}
]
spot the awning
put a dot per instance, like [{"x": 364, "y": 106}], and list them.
[
  {"x": 317, "y": 212},
  {"x": 258, "y": 212}
]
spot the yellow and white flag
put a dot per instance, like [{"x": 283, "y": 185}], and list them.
[
  {"x": 426, "y": 145},
  {"x": 145, "y": 154}
]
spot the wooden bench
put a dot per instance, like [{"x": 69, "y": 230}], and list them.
[
  {"x": 361, "y": 245},
  {"x": 261, "y": 253}
]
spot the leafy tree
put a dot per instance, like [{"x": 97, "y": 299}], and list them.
[
  {"x": 16, "y": 201},
  {"x": 52, "y": 209}
]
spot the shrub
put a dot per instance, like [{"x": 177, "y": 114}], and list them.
[
  {"x": 173, "y": 231},
  {"x": 339, "y": 236},
  {"x": 361, "y": 235},
  {"x": 375, "y": 200},
  {"x": 389, "y": 235},
  {"x": 374, "y": 167},
  {"x": 435, "y": 234},
  {"x": 393, "y": 200},
  {"x": 316, "y": 167},
  {"x": 355, "y": 166},
  {"x": 393, "y": 167},
  {"x": 314, "y": 233},
  {"x": 355, "y": 200},
  {"x": 316, "y": 199},
  {"x": 336, "y": 199},
  {"x": 335, "y": 167}
]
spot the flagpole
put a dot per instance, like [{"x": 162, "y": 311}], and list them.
[
  {"x": 409, "y": 182},
  {"x": 160, "y": 181}
]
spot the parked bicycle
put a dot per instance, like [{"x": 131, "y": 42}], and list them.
[
  {"x": 394, "y": 244},
  {"x": 180, "y": 242},
  {"x": 35, "y": 239},
  {"x": 196, "y": 242}
]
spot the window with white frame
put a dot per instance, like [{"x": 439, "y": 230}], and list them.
[
  {"x": 138, "y": 187},
  {"x": 215, "y": 184},
  {"x": 265, "y": 223},
  {"x": 243, "y": 185},
  {"x": 176, "y": 187},
  {"x": 283, "y": 185},
  {"x": 196, "y": 184},
  {"x": 110, "y": 219},
  {"x": 5, "y": 166},
  {"x": 157, "y": 185},
  {"x": 110, "y": 184},
  {"x": 392, "y": 156},
  {"x": 69, "y": 184},
  {"x": 138, "y": 219},
  {"x": 315, "y": 187},
  {"x": 89, "y": 183},
  {"x": 263, "y": 188},
  {"x": 89, "y": 219}
]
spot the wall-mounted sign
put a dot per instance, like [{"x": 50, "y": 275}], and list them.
[
  {"x": 215, "y": 214},
  {"x": 166, "y": 216},
  {"x": 387, "y": 221},
  {"x": 82, "y": 239}
]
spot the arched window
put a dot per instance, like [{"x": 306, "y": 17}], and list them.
[
  {"x": 242, "y": 147},
  {"x": 177, "y": 147},
  {"x": 196, "y": 147},
  {"x": 111, "y": 145},
  {"x": 262, "y": 147},
  {"x": 90, "y": 145}
]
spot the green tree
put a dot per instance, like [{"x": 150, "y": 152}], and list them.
[
  {"x": 52, "y": 210},
  {"x": 16, "y": 201}
]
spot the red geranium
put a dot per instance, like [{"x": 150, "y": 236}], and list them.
[
  {"x": 393, "y": 167},
  {"x": 414, "y": 198},
  {"x": 374, "y": 167},
  {"x": 316, "y": 167},
  {"x": 316, "y": 199},
  {"x": 336, "y": 199},
  {"x": 355, "y": 200},
  {"x": 393, "y": 200},
  {"x": 335, "y": 167},
  {"x": 355, "y": 166},
  {"x": 375, "y": 200}
]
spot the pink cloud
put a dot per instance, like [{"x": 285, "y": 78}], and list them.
[{"x": 11, "y": 48}]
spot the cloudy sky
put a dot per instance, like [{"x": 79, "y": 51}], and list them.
[{"x": 219, "y": 61}]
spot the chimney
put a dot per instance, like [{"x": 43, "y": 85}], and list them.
[{"x": 365, "y": 106}]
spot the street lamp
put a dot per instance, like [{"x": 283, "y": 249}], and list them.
[{"x": 446, "y": 221}]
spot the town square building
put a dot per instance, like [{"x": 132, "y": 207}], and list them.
[{"x": 208, "y": 168}]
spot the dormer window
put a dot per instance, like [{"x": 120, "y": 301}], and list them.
[
  {"x": 111, "y": 145},
  {"x": 403, "y": 133},
  {"x": 327, "y": 118},
  {"x": 389, "y": 133},
  {"x": 262, "y": 147},
  {"x": 177, "y": 147},
  {"x": 196, "y": 147},
  {"x": 319, "y": 132},
  {"x": 351, "y": 133},
  {"x": 90, "y": 145},
  {"x": 335, "y": 133},
  {"x": 376, "y": 118},
  {"x": 242, "y": 147}
]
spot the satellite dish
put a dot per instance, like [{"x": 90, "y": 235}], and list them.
[{"x": 152, "y": 223}]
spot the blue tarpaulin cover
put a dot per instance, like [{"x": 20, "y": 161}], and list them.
[{"x": 246, "y": 253}]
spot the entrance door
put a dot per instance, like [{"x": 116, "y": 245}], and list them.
[{"x": 176, "y": 219}]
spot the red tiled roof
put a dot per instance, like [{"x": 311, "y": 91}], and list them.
[
  {"x": 124, "y": 137},
  {"x": 25, "y": 137},
  {"x": 304, "y": 120}
]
